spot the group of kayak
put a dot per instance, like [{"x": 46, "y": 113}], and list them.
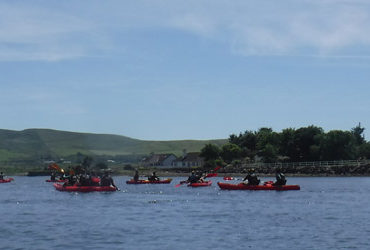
[
  {"x": 194, "y": 180},
  {"x": 80, "y": 180},
  {"x": 252, "y": 182},
  {"x": 198, "y": 179}
]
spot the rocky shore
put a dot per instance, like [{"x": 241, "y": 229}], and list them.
[{"x": 263, "y": 170}]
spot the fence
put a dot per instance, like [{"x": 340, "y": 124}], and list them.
[{"x": 353, "y": 163}]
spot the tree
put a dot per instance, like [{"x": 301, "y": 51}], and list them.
[
  {"x": 210, "y": 152},
  {"x": 267, "y": 144},
  {"x": 358, "y": 134},
  {"x": 268, "y": 153},
  {"x": 247, "y": 142},
  {"x": 230, "y": 151},
  {"x": 287, "y": 145},
  {"x": 364, "y": 150},
  {"x": 304, "y": 139},
  {"x": 338, "y": 145}
]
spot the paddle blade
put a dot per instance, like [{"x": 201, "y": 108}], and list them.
[
  {"x": 211, "y": 175},
  {"x": 54, "y": 166},
  {"x": 181, "y": 182},
  {"x": 217, "y": 168}
]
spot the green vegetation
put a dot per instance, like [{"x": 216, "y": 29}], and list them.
[
  {"x": 290, "y": 145},
  {"x": 30, "y": 148}
]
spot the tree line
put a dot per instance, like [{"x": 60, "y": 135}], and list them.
[{"x": 290, "y": 145}]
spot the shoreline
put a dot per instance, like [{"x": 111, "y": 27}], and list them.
[{"x": 237, "y": 175}]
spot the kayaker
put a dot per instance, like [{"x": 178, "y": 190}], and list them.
[
  {"x": 85, "y": 180},
  {"x": 52, "y": 176},
  {"x": 251, "y": 178},
  {"x": 280, "y": 178},
  {"x": 1, "y": 176},
  {"x": 193, "y": 178},
  {"x": 154, "y": 177},
  {"x": 136, "y": 176},
  {"x": 72, "y": 180},
  {"x": 107, "y": 180},
  {"x": 202, "y": 177}
]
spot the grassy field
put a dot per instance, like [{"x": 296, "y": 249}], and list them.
[{"x": 35, "y": 145}]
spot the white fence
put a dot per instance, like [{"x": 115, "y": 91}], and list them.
[{"x": 309, "y": 164}]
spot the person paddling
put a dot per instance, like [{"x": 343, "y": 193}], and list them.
[
  {"x": 52, "y": 176},
  {"x": 193, "y": 178},
  {"x": 251, "y": 178},
  {"x": 107, "y": 180},
  {"x": 136, "y": 176},
  {"x": 280, "y": 178},
  {"x": 1, "y": 176},
  {"x": 153, "y": 177}
]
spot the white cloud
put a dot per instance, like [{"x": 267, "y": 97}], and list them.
[
  {"x": 38, "y": 33},
  {"x": 284, "y": 27},
  {"x": 57, "y": 31}
]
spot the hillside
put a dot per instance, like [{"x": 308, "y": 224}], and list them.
[{"x": 35, "y": 145}]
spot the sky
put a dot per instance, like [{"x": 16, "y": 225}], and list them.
[{"x": 176, "y": 69}]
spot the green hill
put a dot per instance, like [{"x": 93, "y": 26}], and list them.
[{"x": 32, "y": 146}]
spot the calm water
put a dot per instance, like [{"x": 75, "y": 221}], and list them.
[{"x": 327, "y": 213}]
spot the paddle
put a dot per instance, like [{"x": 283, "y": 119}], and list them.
[
  {"x": 56, "y": 167},
  {"x": 214, "y": 174},
  {"x": 211, "y": 175},
  {"x": 181, "y": 182}
]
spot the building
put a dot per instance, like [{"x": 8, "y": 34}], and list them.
[
  {"x": 159, "y": 160},
  {"x": 191, "y": 159}
]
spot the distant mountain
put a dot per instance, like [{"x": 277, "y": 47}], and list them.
[{"x": 34, "y": 145}]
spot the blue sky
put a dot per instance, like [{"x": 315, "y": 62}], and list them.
[{"x": 168, "y": 70}]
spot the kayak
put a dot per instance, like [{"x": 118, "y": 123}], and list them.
[
  {"x": 56, "y": 180},
  {"x": 93, "y": 179},
  {"x": 6, "y": 180},
  {"x": 60, "y": 187},
  {"x": 166, "y": 181},
  {"x": 200, "y": 184},
  {"x": 228, "y": 178},
  {"x": 211, "y": 175},
  {"x": 242, "y": 186}
]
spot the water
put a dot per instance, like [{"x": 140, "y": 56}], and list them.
[{"x": 327, "y": 213}]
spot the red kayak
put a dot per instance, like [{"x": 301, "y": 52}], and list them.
[
  {"x": 93, "y": 179},
  {"x": 200, "y": 184},
  {"x": 228, "y": 178},
  {"x": 211, "y": 175},
  {"x": 242, "y": 186},
  {"x": 84, "y": 189},
  {"x": 56, "y": 180},
  {"x": 166, "y": 181},
  {"x": 6, "y": 180}
]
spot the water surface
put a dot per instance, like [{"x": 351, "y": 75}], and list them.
[{"x": 327, "y": 213}]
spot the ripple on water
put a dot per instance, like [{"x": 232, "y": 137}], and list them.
[{"x": 323, "y": 215}]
